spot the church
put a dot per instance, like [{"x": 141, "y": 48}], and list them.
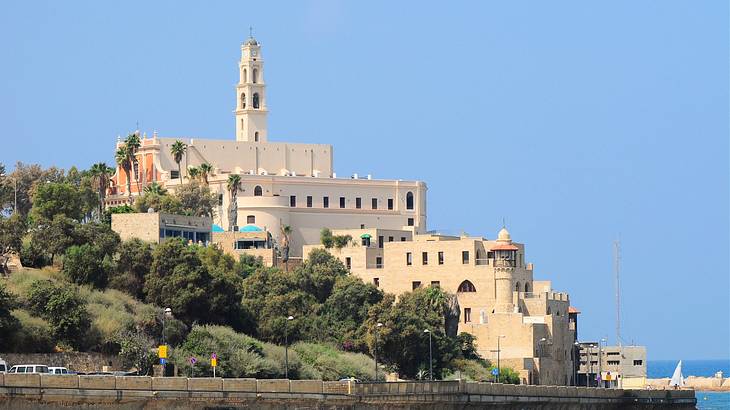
[{"x": 282, "y": 184}]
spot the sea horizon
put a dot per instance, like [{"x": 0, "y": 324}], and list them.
[{"x": 657, "y": 369}]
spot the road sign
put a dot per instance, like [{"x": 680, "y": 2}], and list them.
[
  {"x": 214, "y": 360},
  {"x": 162, "y": 352},
  {"x": 495, "y": 371},
  {"x": 163, "y": 361},
  {"x": 193, "y": 360}
]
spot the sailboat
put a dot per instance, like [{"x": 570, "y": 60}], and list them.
[{"x": 677, "y": 378}]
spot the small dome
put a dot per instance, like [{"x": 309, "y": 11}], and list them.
[
  {"x": 252, "y": 42},
  {"x": 504, "y": 236}
]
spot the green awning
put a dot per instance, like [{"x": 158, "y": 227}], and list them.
[{"x": 365, "y": 236}]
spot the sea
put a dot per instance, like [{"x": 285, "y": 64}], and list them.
[{"x": 706, "y": 400}]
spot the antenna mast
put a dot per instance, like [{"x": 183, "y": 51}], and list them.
[{"x": 617, "y": 271}]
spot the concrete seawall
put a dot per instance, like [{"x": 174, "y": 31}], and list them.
[{"x": 32, "y": 391}]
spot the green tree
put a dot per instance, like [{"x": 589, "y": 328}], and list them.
[
  {"x": 51, "y": 199},
  {"x": 63, "y": 308},
  {"x": 160, "y": 202},
  {"x": 97, "y": 234},
  {"x": 193, "y": 173},
  {"x": 403, "y": 343},
  {"x": 325, "y": 237},
  {"x": 177, "y": 150},
  {"x": 233, "y": 185},
  {"x": 101, "y": 175},
  {"x": 25, "y": 178},
  {"x": 247, "y": 265},
  {"x": 87, "y": 265},
  {"x": 133, "y": 261},
  {"x": 12, "y": 231},
  {"x": 53, "y": 237},
  {"x": 155, "y": 188},
  {"x": 8, "y": 323},
  {"x": 136, "y": 350},
  {"x": 196, "y": 199},
  {"x": 318, "y": 274}
]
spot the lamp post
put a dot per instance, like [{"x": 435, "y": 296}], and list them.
[
  {"x": 430, "y": 355},
  {"x": 499, "y": 369},
  {"x": 286, "y": 346},
  {"x": 165, "y": 314},
  {"x": 377, "y": 326}
]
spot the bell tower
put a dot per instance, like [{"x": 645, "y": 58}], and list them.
[{"x": 251, "y": 94}]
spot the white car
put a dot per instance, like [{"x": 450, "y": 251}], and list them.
[
  {"x": 29, "y": 368},
  {"x": 58, "y": 370},
  {"x": 3, "y": 366}
]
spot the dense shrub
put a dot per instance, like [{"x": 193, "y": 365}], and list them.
[
  {"x": 8, "y": 323},
  {"x": 132, "y": 262},
  {"x": 35, "y": 335},
  {"x": 64, "y": 310},
  {"x": 87, "y": 265}
]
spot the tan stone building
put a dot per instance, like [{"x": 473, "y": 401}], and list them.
[
  {"x": 156, "y": 227},
  {"x": 282, "y": 184},
  {"x": 497, "y": 293}
]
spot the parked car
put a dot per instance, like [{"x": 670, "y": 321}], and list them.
[
  {"x": 3, "y": 366},
  {"x": 29, "y": 368},
  {"x": 58, "y": 370}
]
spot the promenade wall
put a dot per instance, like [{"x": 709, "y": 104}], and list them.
[{"x": 33, "y": 391}]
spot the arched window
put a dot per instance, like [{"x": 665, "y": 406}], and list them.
[
  {"x": 242, "y": 124},
  {"x": 466, "y": 286},
  {"x": 255, "y": 100},
  {"x": 255, "y": 75},
  {"x": 527, "y": 286},
  {"x": 409, "y": 200},
  {"x": 245, "y": 75},
  {"x": 517, "y": 287},
  {"x": 251, "y": 219},
  {"x": 256, "y": 136},
  {"x": 257, "y": 191},
  {"x": 549, "y": 311},
  {"x": 243, "y": 100}
]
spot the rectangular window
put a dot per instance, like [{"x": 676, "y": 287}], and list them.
[
  {"x": 309, "y": 201},
  {"x": 390, "y": 204},
  {"x": 251, "y": 220},
  {"x": 375, "y": 203},
  {"x": 378, "y": 262},
  {"x": 381, "y": 239},
  {"x": 465, "y": 257},
  {"x": 613, "y": 362},
  {"x": 416, "y": 284},
  {"x": 342, "y": 202},
  {"x": 390, "y": 239},
  {"x": 424, "y": 257},
  {"x": 467, "y": 315},
  {"x": 435, "y": 284},
  {"x": 376, "y": 282},
  {"x": 410, "y": 221},
  {"x": 293, "y": 201},
  {"x": 441, "y": 258},
  {"x": 220, "y": 199},
  {"x": 348, "y": 262},
  {"x": 358, "y": 203},
  {"x": 174, "y": 174},
  {"x": 638, "y": 362},
  {"x": 402, "y": 238},
  {"x": 409, "y": 259},
  {"x": 326, "y": 202},
  {"x": 362, "y": 226}
]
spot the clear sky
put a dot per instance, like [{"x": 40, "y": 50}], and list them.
[{"x": 577, "y": 122}]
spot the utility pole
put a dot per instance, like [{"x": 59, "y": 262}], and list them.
[{"x": 617, "y": 271}]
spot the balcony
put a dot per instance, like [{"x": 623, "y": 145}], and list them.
[
  {"x": 484, "y": 262},
  {"x": 505, "y": 263}
]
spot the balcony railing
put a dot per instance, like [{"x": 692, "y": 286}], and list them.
[{"x": 482, "y": 262}]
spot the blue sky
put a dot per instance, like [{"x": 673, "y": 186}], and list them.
[{"x": 577, "y": 122}]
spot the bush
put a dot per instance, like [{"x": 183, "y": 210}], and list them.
[
  {"x": 33, "y": 336},
  {"x": 136, "y": 351},
  {"x": 87, "y": 265},
  {"x": 63, "y": 308},
  {"x": 132, "y": 263},
  {"x": 332, "y": 364},
  {"x": 8, "y": 323},
  {"x": 33, "y": 256}
]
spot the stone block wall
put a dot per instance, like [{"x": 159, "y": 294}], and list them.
[{"x": 74, "y": 361}]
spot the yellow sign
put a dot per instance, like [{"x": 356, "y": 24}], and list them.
[
  {"x": 162, "y": 351},
  {"x": 214, "y": 362}
]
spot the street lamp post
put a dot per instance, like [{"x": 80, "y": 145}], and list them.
[
  {"x": 286, "y": 346},
  {"x": 430, "y": 355},
  {"x": 499, "y": 369},
  {"x": 165, "y": 314},
  {"x": 377, "y": 326}
]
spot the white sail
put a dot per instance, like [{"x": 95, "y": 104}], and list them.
[{"x": 677, "y": 377}]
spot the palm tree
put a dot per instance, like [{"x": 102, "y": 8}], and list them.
[
  {"x": 285, "y": 232},
  {"x": 205, "y": 170},
  {"x": 234, "y": 183},
  {"x": 101, "y": 173},
  {"x": 178, "y": 150},
  {"x": 155, "y": 188},
  {"x": 193, "y": 173},
  {"x": 122, "y": 158},
  {"x": 133, "y": 143}
]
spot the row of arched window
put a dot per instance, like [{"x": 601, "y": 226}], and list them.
[
  {"x": 467, "y": 286},
  {"x": 254, "y": 77},
  {"x": 255, "y": 100}
]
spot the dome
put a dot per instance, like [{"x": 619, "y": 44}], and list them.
[
  {"x": 252, "y": 42},
  {"x": 504, "y": 236}
]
